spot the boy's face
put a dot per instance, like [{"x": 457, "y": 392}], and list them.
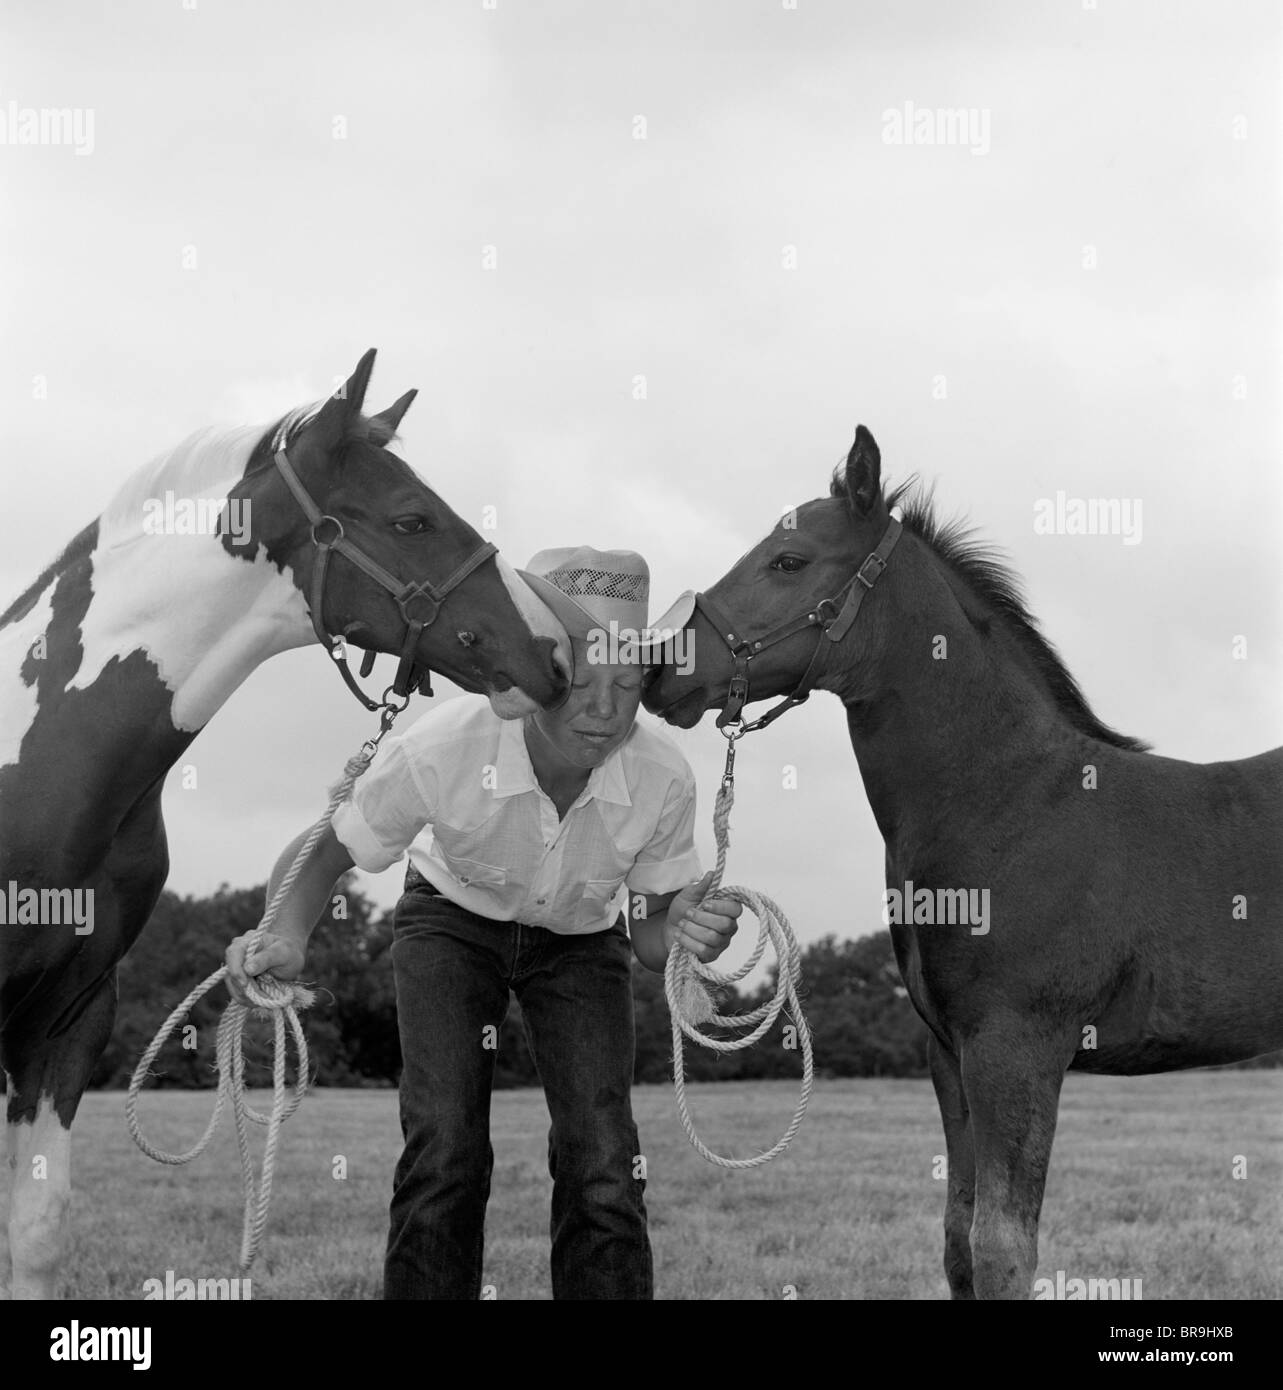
[{"x": 598, "y": 713}]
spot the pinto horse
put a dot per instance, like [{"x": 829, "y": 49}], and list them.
[
  {"x": 1135, "y": 918},
  {"x": 124, "y": 648}
]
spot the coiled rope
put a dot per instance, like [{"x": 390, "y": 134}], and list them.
[
  {"x": 690, "y": 1006},
  {"x": 282, "y": 1000}
]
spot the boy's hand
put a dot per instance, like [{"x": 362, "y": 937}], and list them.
[
  {"x": 705, "y": 931},
  {"x": 281, "y": 955}
]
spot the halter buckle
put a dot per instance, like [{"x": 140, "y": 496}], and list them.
[
  {"x": 872, "y": 559},
  {"x": 736, "y": 695}
]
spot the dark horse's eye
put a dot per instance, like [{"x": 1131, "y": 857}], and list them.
[
  {"x": 412, "y": 525},
  {"x": 790, "y": 564}
]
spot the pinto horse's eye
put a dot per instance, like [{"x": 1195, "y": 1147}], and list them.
[
  {"x": 789, "y": 564},
  {"x": 412, "y": 525}
]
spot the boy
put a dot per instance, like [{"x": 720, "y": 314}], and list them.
[{"x": 519, "y": 836}]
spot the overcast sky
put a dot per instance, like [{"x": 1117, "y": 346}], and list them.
[{"x": 772, "y": 264}]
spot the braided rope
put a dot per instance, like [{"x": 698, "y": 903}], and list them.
[
  {"x": 690, "y": 1005},
  {"x": 282, "y": 1000}
]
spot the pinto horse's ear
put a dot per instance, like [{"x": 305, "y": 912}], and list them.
[
  {"x": 863, "y": 472},
  {"x": 391, "y": 417},
  {"x": 344, "y": 406}
]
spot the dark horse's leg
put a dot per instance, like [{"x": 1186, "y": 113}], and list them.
[
  {"x": 1012, "y": 1076},
  {"x": 961, "y": 1155}
]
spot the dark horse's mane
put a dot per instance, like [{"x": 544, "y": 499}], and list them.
[{"x": 994, "y": 582}]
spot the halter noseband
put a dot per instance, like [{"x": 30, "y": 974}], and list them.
[
  {"x": 406, "y": 593},
  {"x": 833, "y": 616}
]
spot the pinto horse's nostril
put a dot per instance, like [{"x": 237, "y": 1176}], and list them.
[{"x": 467, "y": 639}]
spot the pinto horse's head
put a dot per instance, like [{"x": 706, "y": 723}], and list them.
[
  {"x": 489, "y": 632},
  {"x": 811, "y": 555}
]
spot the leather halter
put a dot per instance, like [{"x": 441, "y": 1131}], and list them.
[
  {"x": 833, "y": 616},
  {"x": 328, "y": 536}
]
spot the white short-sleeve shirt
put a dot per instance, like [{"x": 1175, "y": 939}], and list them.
[{"x": 457, "y": 793}]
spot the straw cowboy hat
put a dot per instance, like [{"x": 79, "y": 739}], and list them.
[{"x": 604, "y": 594}]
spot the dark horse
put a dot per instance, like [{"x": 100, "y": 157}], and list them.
[
  {"x": 121, "y": 651},
  {"x": 1135, "y": 902}
]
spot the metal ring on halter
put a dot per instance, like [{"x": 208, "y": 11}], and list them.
[
  {"x": 320, "y": 521},
  {"x": 826, "y": 608},
  {"x": 404, "y": 600},
  {"x": 391, "y": 708}
]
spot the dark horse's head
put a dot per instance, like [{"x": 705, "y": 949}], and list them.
[
  {"x": 794, "y": 616},
  {"x": 488, "y": 633},
  {"x": 812, "y": 554}
]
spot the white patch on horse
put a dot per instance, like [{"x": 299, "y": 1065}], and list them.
[
  {"x": 40, "y": 1158},
  {"x": 204, "y": 617},
  {"x": 18, "y": 700}
]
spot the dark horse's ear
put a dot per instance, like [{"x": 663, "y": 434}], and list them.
[
  {"x": 343, "y": 407},
  {"x": 863, "y": 472},
  {"x": 392, "y": 416}
]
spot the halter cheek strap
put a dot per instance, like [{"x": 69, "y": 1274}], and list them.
[
  {"x": 328, "y": 537},
  {"x": 833, "y": 616}
]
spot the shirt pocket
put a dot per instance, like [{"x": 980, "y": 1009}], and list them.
[
  {"x": 472, "y": 873},
  {"x": 595, "y": 900},
  {"x": 458, "y": 849}
]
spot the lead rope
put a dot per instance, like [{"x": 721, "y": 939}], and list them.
[
  {"x": 691, "y": 1006},
  {"x": 283, "y": 1000}
]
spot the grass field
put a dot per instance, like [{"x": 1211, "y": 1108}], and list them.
[{"x": 1141, "y": 1187}]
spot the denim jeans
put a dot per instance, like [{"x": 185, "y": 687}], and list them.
[{"x": 453, "y": 972}]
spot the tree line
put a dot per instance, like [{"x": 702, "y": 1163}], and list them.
[{"x": 861, "y": 1021}]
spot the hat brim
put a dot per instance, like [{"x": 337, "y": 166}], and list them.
[
  {"x": 579, "y": 622},
  {"x": 666, "y": 627}
]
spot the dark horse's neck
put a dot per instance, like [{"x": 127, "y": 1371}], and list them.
[{"x": 953, "y": 716}]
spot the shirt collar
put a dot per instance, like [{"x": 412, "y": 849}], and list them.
[
  {"x": 608, "y": 782},
  {"x": 514, "y": 773}
]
